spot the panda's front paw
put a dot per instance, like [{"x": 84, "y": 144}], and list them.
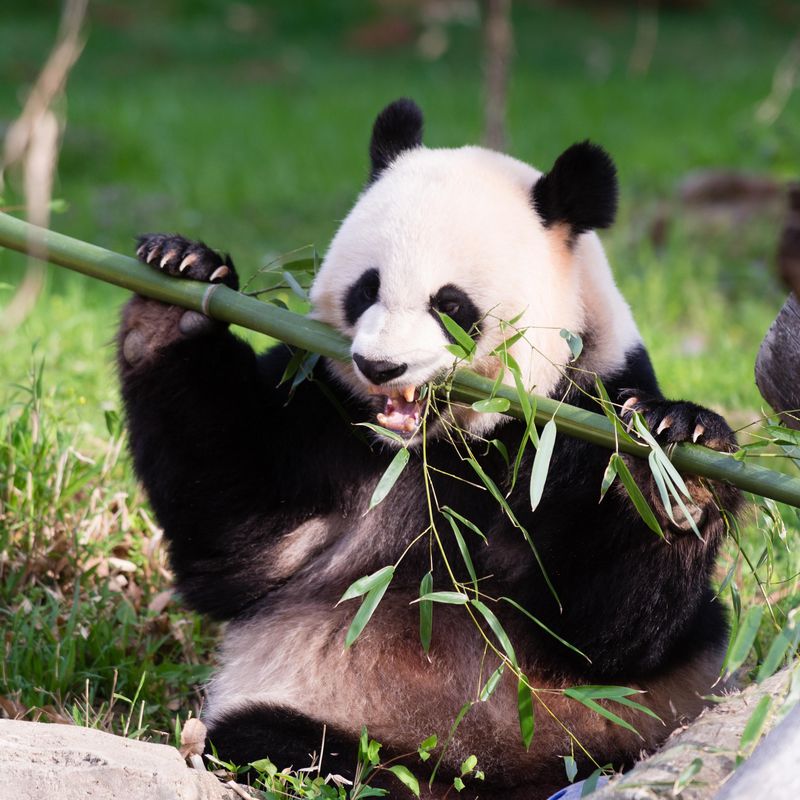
[
  {"x": 183, "y": 258},
  {"x": 673, "y": 421}
]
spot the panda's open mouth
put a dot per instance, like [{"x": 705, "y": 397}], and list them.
[{"x": 402, "y": 409}]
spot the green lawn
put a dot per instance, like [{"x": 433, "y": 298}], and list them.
[{"x": 255, "y": 140}]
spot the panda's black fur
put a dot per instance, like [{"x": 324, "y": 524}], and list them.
[{"x": 263, "y": 495}]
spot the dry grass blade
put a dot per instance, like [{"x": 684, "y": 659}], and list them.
[{"x": 32, "y": 142}]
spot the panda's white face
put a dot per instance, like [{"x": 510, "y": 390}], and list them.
[{"x": 456, "y": 232}]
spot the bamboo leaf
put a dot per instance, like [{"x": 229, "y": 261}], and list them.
[
  {"x": 527, "y": 723},
  {"x": 461, "y": 337},
  {"x": 570, "y": 767},
  {"x": 608, "y": 478},
  {"x": 379, "y": 429},
  {"x": 463, "y": 711},
  {"x": 601, "y": 691},
  {"x": 662, "y": 457},
  {"x": 608, "y": 409},
  {"x": 745, "y": 636},
  {"x": 590, "y": 784},
  {"x": 530, "y": 434},
  {"x": 626, "y": 701},
  {"x": 667, "y": 478},
  {"x": 502, "y": 449},
  {"x": 545, "y": 628},
  {"x": 426, "y": 746},
  {"x": 295, "y": 286},
  {"x": 365, "y": 612},
  {"x": 661, "y": 484},
  {"x": 406, "y": 777},
  {"x": 497, "y": 629},
  {"x": 487, "y": 482},
  {"x": 787, "y": 639},
  {"x": 574, "y": 341},
  {"x": 635, "y": 494},
  {"x": 462, "y": 546},
  {"x": 449, "y": 598},
  {"x": 468, "y": 764},
  {"x": 755, "y": 725},
  {"x": 393, "y": 472},
  {"x": 426, "y": 612},
  {"x": 447, "y": 511},
  {"x": 492, "y": 405},
  {"x": 458, "y": 351},
  {"x": 593, "y": 705},
  {"x": 686, "y": 777},
  {"x": 494, "y": 681},
  {"x": 363, "y": 585},
  {"x": 541, "y": 462},
  {"x": 301, "y": 265}
]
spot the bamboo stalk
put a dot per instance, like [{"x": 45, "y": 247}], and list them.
[{"x": 227, "y": 305}]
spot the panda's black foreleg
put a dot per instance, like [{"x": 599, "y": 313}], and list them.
[
  {"x": 196, "y": 407},
  {"x": 672, "y": 422}
]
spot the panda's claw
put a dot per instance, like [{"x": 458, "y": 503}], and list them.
[
  {"x": 187, "y": 262},
  {"x": 629, "y": 405},
  {"x": 679, "y": 421},
  {"x": 180, "y": 257},
  {"x": 219, "y": 273},
  {"x": 171, "y": 255}
]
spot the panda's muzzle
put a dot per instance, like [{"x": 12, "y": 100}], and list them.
[
  {"x": 378, "y": 372},
  {"x": 402, "y": 410}
]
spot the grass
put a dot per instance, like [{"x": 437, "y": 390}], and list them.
[{"x": 253, "y": 136}]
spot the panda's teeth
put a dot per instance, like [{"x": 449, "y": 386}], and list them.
[{"x": 408, "y": 393}]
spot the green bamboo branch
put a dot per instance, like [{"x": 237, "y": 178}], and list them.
[{"x": 222, "y": 303}]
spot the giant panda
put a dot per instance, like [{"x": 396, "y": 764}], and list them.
[{"x": 264, "y": 493}]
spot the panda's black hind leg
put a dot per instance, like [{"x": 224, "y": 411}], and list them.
[
  {"x": 183, "y": 258},
  {"x": 287, "y": 738}
]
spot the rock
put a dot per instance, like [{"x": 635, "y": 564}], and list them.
[
  {"x": 774, "y": 768},
  {"x": 39, "y": 761},
  {"x": 695, "y": 761}
]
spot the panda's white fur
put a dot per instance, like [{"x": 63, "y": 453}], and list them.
[{"x": 465, "y": 216}]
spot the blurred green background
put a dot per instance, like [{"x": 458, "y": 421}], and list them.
[{"x": 247, "y": 125}]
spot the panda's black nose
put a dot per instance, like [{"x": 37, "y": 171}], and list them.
[{"x": 379, "y": 371}]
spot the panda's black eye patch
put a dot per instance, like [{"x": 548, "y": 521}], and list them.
[
  {"x": 361, "y": 295},
  {"x": 457, "y": 305}
]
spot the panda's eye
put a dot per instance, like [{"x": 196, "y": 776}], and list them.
[
  {"x": 449, "y": 307},
  {"x": 369, "y": 291},
  {"x": 361, "y": 295},
  {"x": 455, "y": 303}
]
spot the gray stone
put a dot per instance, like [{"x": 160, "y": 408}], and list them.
[
  {"x": 40, "y": 761},
  {"x": 711, "y": 742},
  {"x": 773, "y": 771}
]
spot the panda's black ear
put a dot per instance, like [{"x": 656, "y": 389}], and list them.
[
  {"x": 397, "y": 128},
  {"x": 579, "y": 191}
]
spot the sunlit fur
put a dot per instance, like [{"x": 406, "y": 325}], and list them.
[{"x": 465, "y": 216}]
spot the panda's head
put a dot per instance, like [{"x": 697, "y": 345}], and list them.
[{"x": 484, "y": 239}]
